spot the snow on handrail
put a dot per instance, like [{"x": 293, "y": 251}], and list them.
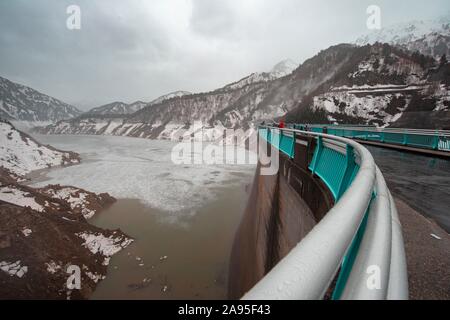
[{"x": 308, "y": 270}]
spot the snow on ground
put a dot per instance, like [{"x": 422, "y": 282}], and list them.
[
  {"x": 132, "y": 168},
  {"x": 76, "y": 199},
  {"x": 19, "y": 197},
  {"x": 21, "y": 155},
  {"x": 106, "y": 246},
  {"x": 93, "y": 276},
  {"x": 113, "y": 124},
  {"x": 26, "y": 126},
  {"x": 52, "y": 267},
  {"x": 281, "y": 69},
  {"x": 363, "y": 103},
  {"x": 26, "y": 232},
  {"x": 442, "y": 95},
  {"x": 13, "y": 268}
]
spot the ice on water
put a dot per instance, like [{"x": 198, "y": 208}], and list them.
[{"x": 143, "y": 169}]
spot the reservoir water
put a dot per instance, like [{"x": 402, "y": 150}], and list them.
[
  {"x": 421, "y": 181},
  {"x": 183, "y": 217}
]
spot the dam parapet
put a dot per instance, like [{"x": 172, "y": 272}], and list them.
[
  {"x": 423, "y": 141},
  {"x": 325, "y": 225}
]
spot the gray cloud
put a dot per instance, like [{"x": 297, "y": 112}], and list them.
[{"x": 137, "y": 49}]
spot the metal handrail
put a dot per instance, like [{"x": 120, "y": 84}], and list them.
[
  {"x": 415, "y": 138},
  {"x": 376, "y": 242},
  {"x": 444, "y": 133},
  {"x": 308, "y": 270}
]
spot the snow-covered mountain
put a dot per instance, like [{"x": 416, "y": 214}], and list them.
[
  {"x": 118, "y": 108},
  {"x": 382, "y": 85},
  {"x": 122, "y": 108},
  {"x": 375, "y": 84},
  {"x": 175, "y": 94},
  {"x": 429, "y": 37},
  {"x": 20, "y": 154},
  {"x": 43, "y": 230},
  {"x": 21, "y": 103},
  {"x": 281, "y": 69},
  {"x": 229, "y": 107}
]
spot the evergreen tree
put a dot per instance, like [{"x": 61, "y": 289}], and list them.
[{"x": 443, "y": 60}]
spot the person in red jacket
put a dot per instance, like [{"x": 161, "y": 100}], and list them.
[{"x": 281, "y": 124}]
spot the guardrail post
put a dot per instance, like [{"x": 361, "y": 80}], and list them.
[
  {"x": 280, "y": 139},
  {"x": 405, "y": 138},
  {"x": 436, "y": 140},
  {"x": 317, "y": 154},
  {"x": 293, "y": 145},
  {"x": 350, "y": 166}
]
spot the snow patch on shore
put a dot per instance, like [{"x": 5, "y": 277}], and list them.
[
  {"x": 93, "y": 276},
  {"x": 105, "y": 246},
  {"x": 52, "y": 267},
  {"x": 21, "y": 155},
  {"x": 13, "y": 268},
  {"x": 26, "y": 232},
  {"x": 75, "y": 197},
  {"x": 19, "y": 198}
]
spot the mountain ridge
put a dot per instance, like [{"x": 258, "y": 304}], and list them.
[
  {"x": 281, "y": 69},
  {"x": 122, "y": 108},
  {"x": 21, "y": 103},
  {"x": 428, "y": 37}
]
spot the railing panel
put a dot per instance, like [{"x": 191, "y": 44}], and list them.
[
  {"x": 287, "y": 145},
  {"x": 417, "y": 138},
  {"x": 374, "y": 136},
  {"x": 444, "y": 143},
  {"x": 425, "y": 141},
  {"x": 317, "y": 129},
  {"x": 396, "y": 138},
  {"x": 331, "y": 175}
]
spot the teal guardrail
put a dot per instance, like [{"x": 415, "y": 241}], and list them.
[
  {"x": 353, "y": 235},
  {"x": 336, "y": 169},
  {"x": 349, "y": 258},
  {"x": 424, "y": 139},
  {"x": 337, "y": 176},
  {"x": 282, "y": 141},
  {"x": 336, "y": 166}
]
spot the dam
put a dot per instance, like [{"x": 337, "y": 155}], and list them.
[{"x": 325, "y": 226}]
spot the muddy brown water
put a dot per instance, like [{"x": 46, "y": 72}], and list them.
[
  {"x": 188, "y": 214},
  {"x": 197, "y": 250}
]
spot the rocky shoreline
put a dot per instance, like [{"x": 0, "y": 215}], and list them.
[{"x": 48, "y": 250}]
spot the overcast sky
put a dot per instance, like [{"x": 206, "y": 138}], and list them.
[{"x": 140, "y": 49}]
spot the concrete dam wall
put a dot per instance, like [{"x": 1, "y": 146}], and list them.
[{"x": 281, "y": 210}]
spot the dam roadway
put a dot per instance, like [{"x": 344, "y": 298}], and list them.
[
  {"x": 421, "y": 187},
  {"x": 295, "y": 205}
]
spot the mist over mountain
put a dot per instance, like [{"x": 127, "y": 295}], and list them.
[
  {"x": 374, "y": 83},
  {"x": 233, "y": 106},
  {"x": 175, "y": 94},
  {"x": 118, "y": 108},
  {"x": 428, "y": 37},
  {"x": 122, "y": 108},
  {"x": 281, "y": 69}
]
